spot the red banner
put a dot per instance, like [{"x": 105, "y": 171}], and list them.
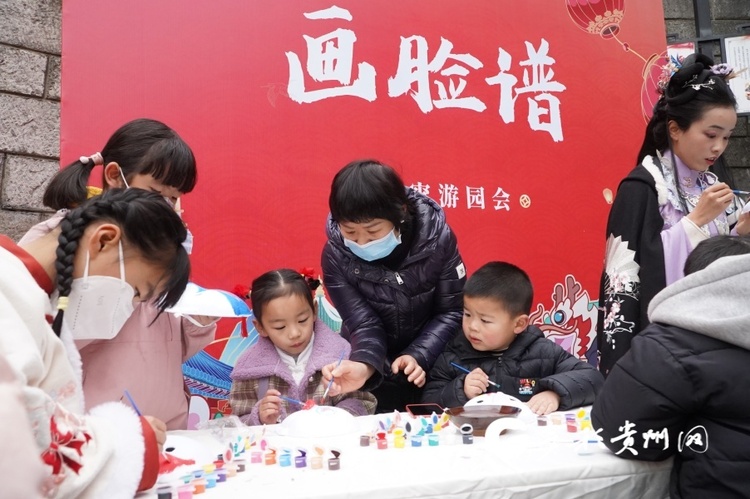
[{"x": 518, "y": 117}]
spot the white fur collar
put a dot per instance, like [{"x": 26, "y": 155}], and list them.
[{"x": 653, "y": 168}]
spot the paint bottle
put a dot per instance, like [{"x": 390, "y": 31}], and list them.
[{"x": 185, "y": 491}]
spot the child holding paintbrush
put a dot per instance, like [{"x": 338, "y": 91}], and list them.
[
  {"x": 499, "y": 350},
  {"x": 277, "y": 375}
]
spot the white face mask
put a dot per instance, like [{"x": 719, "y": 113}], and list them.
[{"x": 98, "y": 306}]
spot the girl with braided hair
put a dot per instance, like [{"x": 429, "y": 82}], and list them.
[
  {"x": 149, "y": 155},
  {"x": 114, "y": 248},
  {"x": 670, "y": 202}
]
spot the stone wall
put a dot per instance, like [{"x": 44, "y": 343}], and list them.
[
  {"x": 29, "y": 109},
  {"x": 30, "y": 100}
]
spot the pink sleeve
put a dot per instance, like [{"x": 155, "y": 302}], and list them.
[
  {"x": 194, "y": 338},
  {"x": 42, "y": 228}
]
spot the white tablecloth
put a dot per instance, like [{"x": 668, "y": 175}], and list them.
[{"x": 536, "y": 462}]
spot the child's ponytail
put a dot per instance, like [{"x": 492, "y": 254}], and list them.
[
  {"x": 142, "y": 146},
  {"x": 312, "y": 281},
  {"x": 68, "y": 187}
]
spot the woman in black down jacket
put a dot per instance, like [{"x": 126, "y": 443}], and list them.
[{"x": 392, "y": 269}]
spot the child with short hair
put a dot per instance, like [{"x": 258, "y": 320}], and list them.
[
  {"x": 145, "y": 154},
  {"x": 287, "y": 360},
  {"x": 500, "y": 345}
]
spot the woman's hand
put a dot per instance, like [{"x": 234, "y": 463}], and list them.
[
  {"x": 269, "y": 407},
  {"x": 544, "y": 402},
  {"x": 712, "y": 203},
  {"x": 476, "y": 383},
  {"x": 414, "y": 372},
  {"x": 160, "y": 430},
  {"x": 347, "y": 377}
]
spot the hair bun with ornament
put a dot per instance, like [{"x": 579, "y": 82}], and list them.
[
  {"x": 695, "y": 73},
  {"x": 312, "y": 281}
]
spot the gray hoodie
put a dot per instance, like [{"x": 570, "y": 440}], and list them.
[{"x": 714, "y": 302}]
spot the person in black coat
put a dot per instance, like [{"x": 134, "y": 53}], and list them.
[
  {"x": 679, "y": 195},
  {"x": 681, "y": 390},
  {"x": 499, "y": 345},
  {"x": 392, "y": 269}
]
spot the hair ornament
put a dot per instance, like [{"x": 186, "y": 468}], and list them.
[
  {"x": 96, "y": 158},
  {"x": 308, "y": 273},
  {"x": 722, "y": 69},
  {"x": 242, "y": 291},
  {"x": 696, "y": 85},
  {"x": 692, "y": 76},
  {"x": 62, "y": 303},
  {"x": 668, "y": 70}
]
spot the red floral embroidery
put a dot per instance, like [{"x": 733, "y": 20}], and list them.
[{"x": 64, "y": 448}]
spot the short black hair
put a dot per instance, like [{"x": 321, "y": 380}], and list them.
[
  {"x": 367, "y": 189},
  {"x": 710, "y": 250},
  {"x": 503, "y": 282}
]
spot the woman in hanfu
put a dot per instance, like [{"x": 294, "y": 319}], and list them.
[{"x": 669, "y": 202}]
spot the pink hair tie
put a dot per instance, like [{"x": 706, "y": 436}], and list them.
[{"x": 97, "y": 158}]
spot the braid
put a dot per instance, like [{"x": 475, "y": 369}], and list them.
[{"x": 72, "y": 226}]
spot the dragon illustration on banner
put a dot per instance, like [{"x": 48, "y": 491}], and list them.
[{"x": 571, "y": 320}]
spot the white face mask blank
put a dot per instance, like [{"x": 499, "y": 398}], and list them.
[{"x": 98, "y": 306}]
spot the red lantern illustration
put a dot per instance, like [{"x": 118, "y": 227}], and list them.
[{"x": 598, "y": 17}]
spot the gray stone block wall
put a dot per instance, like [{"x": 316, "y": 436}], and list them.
[
  {"x": 29, "y": 109},
  {"x": 30, "y": 32}
]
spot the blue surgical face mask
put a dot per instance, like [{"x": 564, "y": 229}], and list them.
[{"x": 377, "y": 249}]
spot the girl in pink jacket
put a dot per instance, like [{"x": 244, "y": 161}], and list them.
[{"x": 143, "y": 351}]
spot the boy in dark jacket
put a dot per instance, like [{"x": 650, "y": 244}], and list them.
[{"x": 500, "y": 346}]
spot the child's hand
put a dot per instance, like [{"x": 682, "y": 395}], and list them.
[
  {"x": 476, "y": 383},
  {"x": 269, "y": 407},
  {"x": 544, "y": 402},
  {"x": 160, "y": 430},
  {"x": 414, "y": 372},
  {"x": 347, "y": 377}
]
